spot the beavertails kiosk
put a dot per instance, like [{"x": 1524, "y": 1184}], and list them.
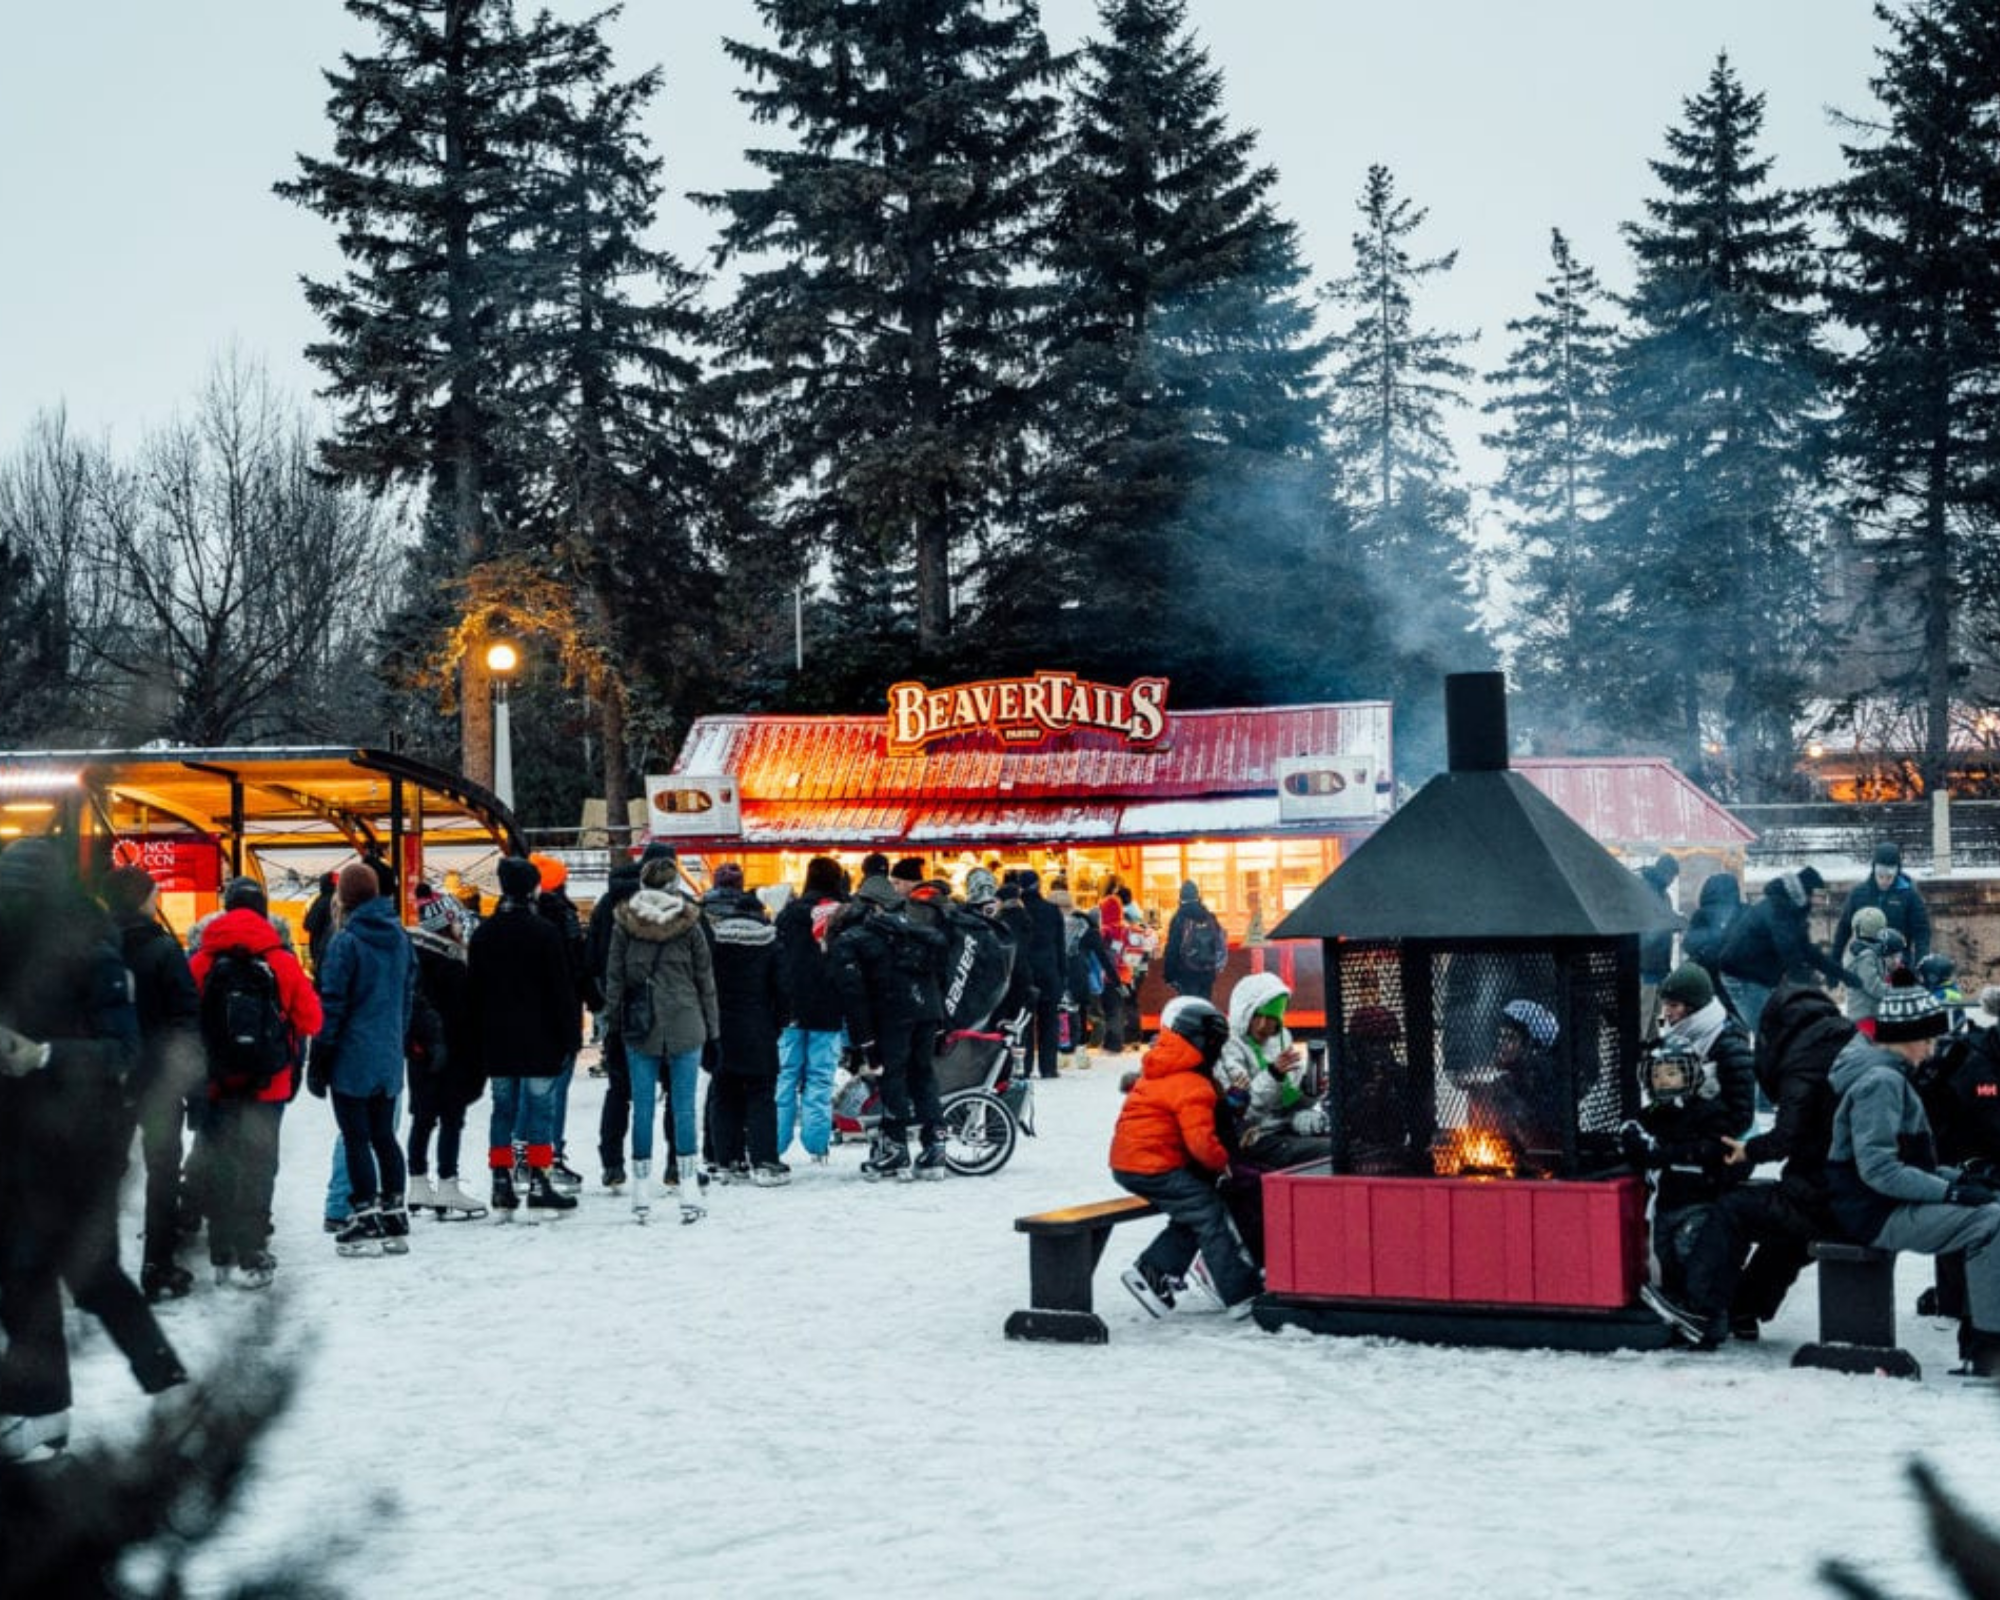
[
  {"x": 1470, "y": 1196},
  {"x": 1255, "y": 805}
]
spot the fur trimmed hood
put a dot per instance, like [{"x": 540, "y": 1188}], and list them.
[{"x": 657, "y": 915}]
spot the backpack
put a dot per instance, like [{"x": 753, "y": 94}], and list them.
[
  {"x": 1203, "y": 948},
  {"x": 979, "y": 964},
  {"x": 243, "y": 1022}
]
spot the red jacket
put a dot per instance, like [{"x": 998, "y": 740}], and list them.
[
  {"x": 1169, "y": 1117},
  {"x": 244, "y": 929},
  {"x": 1111, "y": 927}
]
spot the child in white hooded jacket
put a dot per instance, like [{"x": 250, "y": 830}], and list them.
[{"x": 1262, "y": 1073}]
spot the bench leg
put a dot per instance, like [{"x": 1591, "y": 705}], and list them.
[
  {"x": 1857, "y": 1322},
  {"x": 1059, "y": 1295}
]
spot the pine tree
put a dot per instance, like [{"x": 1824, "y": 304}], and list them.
[
  {"x": 879, "y": 340},
  {"x": 434, "y": 137},
  {"x": 611, "y": 383},
  {"x": 1392, "y": 384},
  {"x": 1181, "y": 389},
  {"x": 1553, "y": 394},
  {"x": 1717, "y": 390},
  {"x": 1916, "y": 274}
]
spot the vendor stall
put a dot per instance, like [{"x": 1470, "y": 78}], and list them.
[{"x": 1078, "y": 780}]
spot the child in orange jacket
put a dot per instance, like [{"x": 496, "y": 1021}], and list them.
[{"x": 1165, "y": 1149}]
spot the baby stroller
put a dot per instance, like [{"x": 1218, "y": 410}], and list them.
[{"x": 988, "y": 1098}]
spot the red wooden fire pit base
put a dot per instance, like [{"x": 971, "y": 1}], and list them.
[{"x": 1494, "y": 1242}]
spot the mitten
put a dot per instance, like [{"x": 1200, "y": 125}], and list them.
[
  {"x": 1636, "y": 1145},
  {"x": 20, "y": 1055},
  {"x": 1310, "y": 1120},
  {"x": 1970, "y": 1192}
]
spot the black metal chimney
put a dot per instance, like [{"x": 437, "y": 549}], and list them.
[{"x": 1475, "y": 721}]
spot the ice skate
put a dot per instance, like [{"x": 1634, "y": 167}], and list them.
[
  {"x": 693, "y": 1189},
  {"x": 506, "y": 1198},
  {"x": 614, "y": 1180},
  {"x": 27, "y": 1440},
  {"x": 930, "y": 1163},
  {"x": 164, "y": 1280},
  {"x": 888, "y": 1157},
  {"x": 423, "y": 1192},
  {"x": 362, "y": 1236},
  {"x": 1152, "y": 1289},
  {"x": 454, "y": 1204},
  {"x": 642, "y": 1202},
  {"x": 545, "y": 1197},
  {"x": 395, "y": 1216}
]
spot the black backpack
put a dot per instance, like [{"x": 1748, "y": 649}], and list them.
[
  {"x": 1203, "y": 947},
  {"x": 243, "y": 1021}
]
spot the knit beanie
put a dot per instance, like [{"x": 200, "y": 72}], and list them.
[
  {"x": 1908, "y": 1011},
  {"x": 553, "y": 873},
  {"x": 1888, "y": 854},
  {"x": 729, "y": 876},
  {"x": 874, "y": 865},
  {"x": 1190, "y": 893},
  {"x": 127, "y": 889},
  {"x": 980, "y": 887},
  {"x": 1689, "y": 984},
  {"x": 245, "y": 894},
  {"x": 518, "y": 877},
  {"x": 908, "y": 870},
  {"x": 1869, "y": 922},
  {"x": 823, "y": 876},
  {"x": 658, "y": 850},
  {"x": 357, "y": 885},
  {"x": 436, "y": 913}
]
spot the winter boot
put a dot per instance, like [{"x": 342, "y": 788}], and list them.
[
  {"x": 423, "y": 1193},
  {"x": 506, "y": 1198},
  {"x": 543, "y": 1195},
  {"x": 395, "y": 1226},
  {"x": 930, "y": 1160},
  {"x": 693, "y": 1189},
  {"x": 164, "y": 1280},
  {"x": 454, "y": 1204},
  {"x": 642, "y": 1202},
  {"x": 362, "y": 1236},
  {"x": 888, "y": 1157}
]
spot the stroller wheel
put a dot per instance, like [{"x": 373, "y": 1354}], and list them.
[{"x": 979, "y": 1133}]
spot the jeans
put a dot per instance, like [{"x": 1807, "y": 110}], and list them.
[
  {"x": 807, "y": 1061},
  {"x": 683, "y": 1079},
  {"x": 559, "y": 1127},
  {"x": 524, "y": 1109},
  {"x": 1197, "y": 1223},
  {"x": 1748, "y": 997},
  {"x": 336, "y": 1179}
]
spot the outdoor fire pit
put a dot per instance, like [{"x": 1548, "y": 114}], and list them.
[{"x": 1481, "y": 959}]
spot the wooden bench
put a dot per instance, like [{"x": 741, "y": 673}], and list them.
[
  {"x": 1064, "y": 1248},
  {"x": 1857, "y": 1313}
]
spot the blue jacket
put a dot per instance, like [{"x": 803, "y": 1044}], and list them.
[{"x": 367, "y": 988}]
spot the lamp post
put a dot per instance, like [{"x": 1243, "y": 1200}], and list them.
[{"x": 503, "y": 660}]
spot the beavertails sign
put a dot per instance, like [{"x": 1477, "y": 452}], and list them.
[{"x": 1027, "y": 710}]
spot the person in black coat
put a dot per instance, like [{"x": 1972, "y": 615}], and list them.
[
  {"x": 170, "y": 1085},
  {"x": 1771, "y": 943},
  {"x": 443, "y": 1059},
  {"x": 1045, "y": 970},
  {"x": 1698, "y": 1089},
  {"x": 1799, "y": 1033},
  {"x": 320, "y": 920},
  {"x": 889, "y": 966},
  {"x": 1715, "y": 912},
  {"x": 69, "y": 1044},
  {"x": 810, "y": 1043},
  {"x": 750, "y": 1005},
  {"x": 525, "y": 1023},
  {"x": 1888, "y": 888}
]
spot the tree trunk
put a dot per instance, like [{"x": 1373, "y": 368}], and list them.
[{"x": 616, "y": 796}]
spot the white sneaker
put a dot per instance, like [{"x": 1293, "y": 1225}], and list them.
[{"x": 27, "y": 1439}]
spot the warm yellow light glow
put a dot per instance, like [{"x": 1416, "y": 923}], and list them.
[
  {"x": 1815, "y": 750},
  {"x": 502, "y": 657},
  {"x": 33, "y": 806},
  {"x": 39, "y": 778}
]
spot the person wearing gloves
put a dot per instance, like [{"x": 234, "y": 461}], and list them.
[
  {"x": 1887, "y": 888},
  {"x": 1165, "y": 1149},
  {"x": 367, "y": 989},
  {"x": 1698, "y": 1089},
  {"x": 1887, "y": 1188},
  {"x": 1261, "y": 1074}
]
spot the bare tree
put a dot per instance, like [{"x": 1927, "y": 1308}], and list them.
[{"x": 241, "y": 586}]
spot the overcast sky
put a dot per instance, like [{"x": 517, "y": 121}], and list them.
[{"x": 141, "y": 139}]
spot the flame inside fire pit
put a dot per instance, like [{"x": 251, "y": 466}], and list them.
[{"x": 1473, "y": 1153}]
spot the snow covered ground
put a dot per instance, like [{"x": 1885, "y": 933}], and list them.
[{"x": 808, "y": 1394}]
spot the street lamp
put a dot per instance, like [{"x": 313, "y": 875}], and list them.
[{"x": 503, "y": 660}]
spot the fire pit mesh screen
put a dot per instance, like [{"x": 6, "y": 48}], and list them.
[{"x": 1463, "y": 1058}]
